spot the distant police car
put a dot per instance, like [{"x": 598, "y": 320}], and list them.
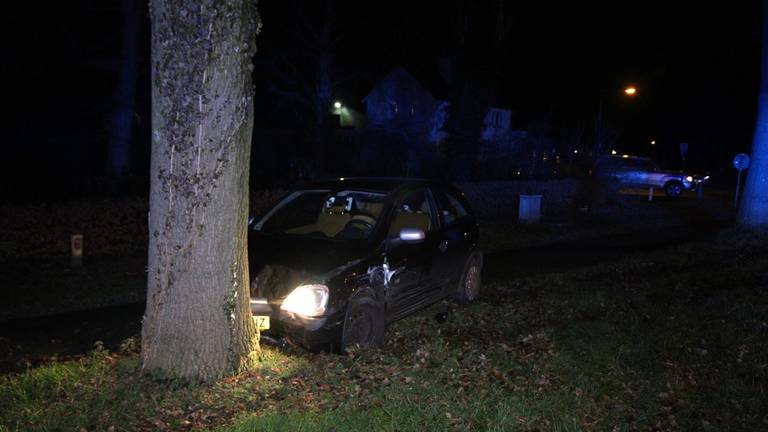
[
  {"x": 333, "y": 262},
  {"x": 633, "y": 171}
]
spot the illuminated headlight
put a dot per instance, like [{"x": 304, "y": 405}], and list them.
[
  {"x": 689, "y": 179},
  {"x": 307, "y": 300}
]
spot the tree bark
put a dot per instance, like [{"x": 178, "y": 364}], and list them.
[
  {"x": 754, "y": 204},
  {"x": 197, "y": 324}
]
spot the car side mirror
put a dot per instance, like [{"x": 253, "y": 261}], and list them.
[
  {"x": 412, "y": 235},
  {"x": 252, "y": 221}
]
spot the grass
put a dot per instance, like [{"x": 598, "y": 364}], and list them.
[{"x": 670, "y": 340}]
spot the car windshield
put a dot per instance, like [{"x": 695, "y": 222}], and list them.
[{"x": 340, "y": 214}]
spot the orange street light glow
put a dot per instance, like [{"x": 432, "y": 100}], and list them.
[{"x": 630, "y": 91}]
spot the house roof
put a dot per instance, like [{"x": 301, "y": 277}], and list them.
[
  {"x": 431, "y": 81},
  {"x": 429, "y": 77}
]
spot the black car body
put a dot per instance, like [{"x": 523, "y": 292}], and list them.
[{"x": 374, "y": 251}]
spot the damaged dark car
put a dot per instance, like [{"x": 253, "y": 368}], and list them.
[{"x": 335, "y": 261}]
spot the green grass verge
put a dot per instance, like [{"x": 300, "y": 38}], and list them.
[{"x": 669, "y": 340}]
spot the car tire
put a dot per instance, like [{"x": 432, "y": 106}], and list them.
[
  {"x": 363, "y": 323},
  {"x": 673, "y": 189},
  {"x": 470, "y": 282}
]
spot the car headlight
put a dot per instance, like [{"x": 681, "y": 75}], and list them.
[
  {"x": 689, "y": 179},
  {"x": 307, "y": 300}
]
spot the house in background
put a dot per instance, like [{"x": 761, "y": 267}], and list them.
[
  {"x": 416, "y": 109},
  {"x": 401, "y": 104},
  {"x": 499, "y": 138}
]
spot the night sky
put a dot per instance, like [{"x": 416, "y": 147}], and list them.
[{"x": 696, "y": 66}]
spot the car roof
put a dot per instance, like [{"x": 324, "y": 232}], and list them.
[{"x": 374, "y": 184}]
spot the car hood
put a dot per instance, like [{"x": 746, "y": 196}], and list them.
[{"x": 280, "y": 263}]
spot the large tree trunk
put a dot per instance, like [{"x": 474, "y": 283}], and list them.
[
  {"x": 197, "y": 324},
  {"x": 754, "y": 205}
]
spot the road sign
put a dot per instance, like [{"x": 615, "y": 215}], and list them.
[{"x": 741, "y": 161}]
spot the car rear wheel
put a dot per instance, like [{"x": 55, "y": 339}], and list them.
[
  {"x": 673, "y": 188},
  {"x": 364, "y": 324},
  {"x": 470, "y": 282}
]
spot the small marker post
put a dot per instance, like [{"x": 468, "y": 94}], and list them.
[{"x": 76, "y": 247}]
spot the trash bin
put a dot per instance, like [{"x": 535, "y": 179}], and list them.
[{"x": 530, "y": 208}]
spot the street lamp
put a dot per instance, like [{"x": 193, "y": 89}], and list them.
[
  {"x": 630, "y": 90},
  {"x": 337, "y": 105}
]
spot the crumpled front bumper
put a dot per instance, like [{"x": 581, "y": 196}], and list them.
[{"x": 315, "y": 334}]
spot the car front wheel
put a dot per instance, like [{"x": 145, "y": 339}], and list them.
[
  {"x": 470, "y": 282},
  {"x": 673, "y": 188},
  {"x": 364, "y": 323}
]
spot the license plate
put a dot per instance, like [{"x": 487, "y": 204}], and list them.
[{"x": 262, "y": 322}]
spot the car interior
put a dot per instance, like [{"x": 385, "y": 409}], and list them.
[
  {"x": 413, "y": 212},
  {"x": 343, "y": 219},
  {"x": 350, "y": 215}
]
